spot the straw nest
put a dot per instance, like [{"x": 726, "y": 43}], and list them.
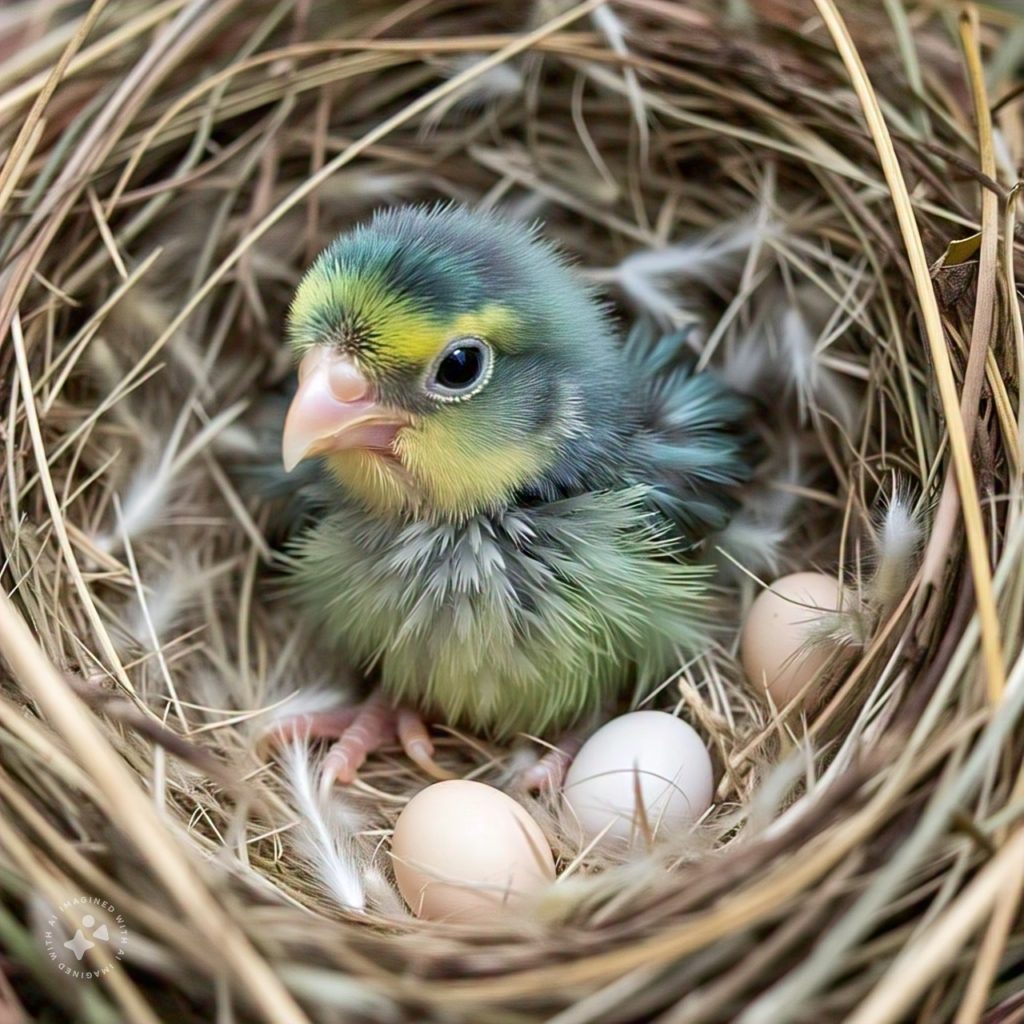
[{"x": 840, "y": 240}]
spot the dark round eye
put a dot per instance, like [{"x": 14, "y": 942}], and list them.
[{"x": 462, "y": 369}]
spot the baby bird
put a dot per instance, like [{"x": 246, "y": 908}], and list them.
[{"x": 512, "y": 497}]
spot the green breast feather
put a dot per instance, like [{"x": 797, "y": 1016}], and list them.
[{"x": 521, "y": 621}]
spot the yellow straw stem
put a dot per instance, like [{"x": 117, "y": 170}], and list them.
[{"x": 976, "y": 543}]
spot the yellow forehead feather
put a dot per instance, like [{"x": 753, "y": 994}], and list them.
[{"x": 402, "y": 331}]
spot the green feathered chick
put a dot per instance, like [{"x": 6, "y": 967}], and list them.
[{"x": 511, "y": 497}]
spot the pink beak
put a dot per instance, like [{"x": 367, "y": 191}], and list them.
[{"x": 334, "y": 410}]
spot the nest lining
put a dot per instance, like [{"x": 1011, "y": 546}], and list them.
[{"x": 710, "y": 173}]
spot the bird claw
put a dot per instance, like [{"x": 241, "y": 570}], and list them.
[
  {"x": 327, "y": 724},
  {"x": 417, "y": 744},
  {"x": 359, "y": 731},
  {"x": 548, "y": 774}
]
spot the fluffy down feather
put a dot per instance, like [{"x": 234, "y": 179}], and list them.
[{"x": 521, "y": 621}]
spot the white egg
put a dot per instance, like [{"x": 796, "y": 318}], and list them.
[
  {"x": 463, "y": 851},
  {"x": 776, "y": 641},
  {"x": 647, "y": 754}
]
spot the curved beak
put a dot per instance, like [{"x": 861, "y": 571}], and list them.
[{"x": 334, "y": 409}]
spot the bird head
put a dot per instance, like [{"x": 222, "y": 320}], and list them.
[{"x": 446, "y": 360}]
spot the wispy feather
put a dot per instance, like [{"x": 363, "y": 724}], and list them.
[
  {"x": 816, "y": 386},
  {"x": 501, "y": 82},
  {"x": 897, "y": 533},
  {"x": 350, "y": 191},
  {"x": 786, "y": 345},
  {"x": 148, "y": 493},
  {"x": 756, "y": 537},
  {"x": 652, "y": 279},
  {"x": 611, "y": 27},
  {"x": 149, "y": 618},
  {"x": 325, "y": 833}
]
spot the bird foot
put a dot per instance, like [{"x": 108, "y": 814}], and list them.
[
  {"x": 361, "y": 730},
  {"x": 548, "y": 774}
]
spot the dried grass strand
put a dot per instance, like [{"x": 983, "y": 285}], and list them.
[
  {"x": 932, "y": 322},
  {"x": 922, "y": 961},
  {"x": 136, "y": 818}
]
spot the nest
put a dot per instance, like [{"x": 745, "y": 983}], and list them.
[{"x": 839, "y": 242}]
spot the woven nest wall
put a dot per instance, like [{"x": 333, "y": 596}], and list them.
[{"x": 821, "y": 199}]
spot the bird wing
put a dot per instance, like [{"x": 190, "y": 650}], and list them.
[{"x": 694, "y": 447}]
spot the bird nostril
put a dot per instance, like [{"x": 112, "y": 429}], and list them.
[{"x": 347, "y": 384}]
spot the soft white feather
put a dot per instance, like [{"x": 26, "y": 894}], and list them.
[
  {"x": 756, "y": 537},
  {"x": 784, "y": 343},
  {"x": 350, "y": 191},
  {"x": 755, "y": 542},
  {"x": 898, "y": 533},
  {"x": 503, "y": 81},
  {"x": 168, "y": 598},
  {"x": 148, "y": 493},
  {"x": 816, "y": 386},
  {"x": 611, "y": 27},
  {"x": 651, "y": 278},
  {"x": 325, "y": 834}
]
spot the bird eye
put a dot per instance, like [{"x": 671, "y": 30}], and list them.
[{"x": 461, "y": 370}]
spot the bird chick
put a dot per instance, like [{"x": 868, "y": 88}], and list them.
[{"x": 515, "y": 496}]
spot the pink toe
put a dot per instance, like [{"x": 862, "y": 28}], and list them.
[{"x": 314, "y": 725}]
